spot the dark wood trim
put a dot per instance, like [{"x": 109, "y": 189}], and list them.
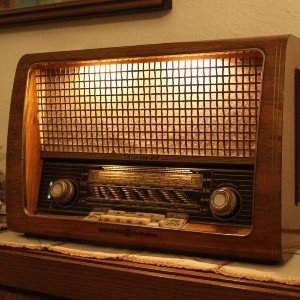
[
  {"x": 79, "y": 8},
  {"x": 46, "y": 273},
  {"x": 152, "y": 159},
  {"x": 17, "y": 294}
]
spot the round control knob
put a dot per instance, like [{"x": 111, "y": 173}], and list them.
[
  {"x": 62, "y": 191},
  {"x": 223, "y": 202}
]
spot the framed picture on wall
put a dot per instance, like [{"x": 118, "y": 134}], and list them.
[{"x": 14, "y": 12}]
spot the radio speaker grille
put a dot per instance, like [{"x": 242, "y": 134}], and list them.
[{"x": 203, "y": 104}]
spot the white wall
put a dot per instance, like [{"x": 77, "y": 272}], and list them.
[{"x": 189, "y": 20}]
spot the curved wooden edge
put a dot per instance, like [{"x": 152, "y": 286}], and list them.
[
  {"x": 82, "y": 278},
  {"x": 79, "y": 8}
]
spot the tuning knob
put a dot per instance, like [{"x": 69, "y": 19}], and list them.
[
  {"x": 62, "y": 191},
  {"x": 223, "y": 202}
]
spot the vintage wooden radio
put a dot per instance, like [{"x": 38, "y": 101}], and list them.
[{"x": 186, "y": 147}]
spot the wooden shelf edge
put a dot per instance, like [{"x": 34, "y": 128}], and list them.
[{"x": 79, "y": 278}]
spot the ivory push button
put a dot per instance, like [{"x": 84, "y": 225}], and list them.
[{"x": 62, "y": 191}]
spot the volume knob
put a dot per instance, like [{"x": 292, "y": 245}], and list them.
[
  {"x": 62, "y": 191},
  {"x": 223, "y": 202}
]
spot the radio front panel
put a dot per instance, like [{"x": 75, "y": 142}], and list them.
[
  {"x": 187, "y": 147},
  {"x": 201, "y": 105},
  {"x": 189, "y": 194}
]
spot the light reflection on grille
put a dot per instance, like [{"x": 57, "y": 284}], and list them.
[{"x": 200, "y": 104}]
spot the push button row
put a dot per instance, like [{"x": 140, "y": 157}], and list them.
[{"x": 137, "y": 218}]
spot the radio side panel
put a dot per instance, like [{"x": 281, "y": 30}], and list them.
[
  {"x": 290, "y": 149},
  {"x": 267, "y": 197},
  {"x": 33, "y": 162},
  {"x": 262, "y": 241},
  {"x": 15, "y": 159}
]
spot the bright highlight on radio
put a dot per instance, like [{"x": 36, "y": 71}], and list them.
[{"x": 194, "y": 104}]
